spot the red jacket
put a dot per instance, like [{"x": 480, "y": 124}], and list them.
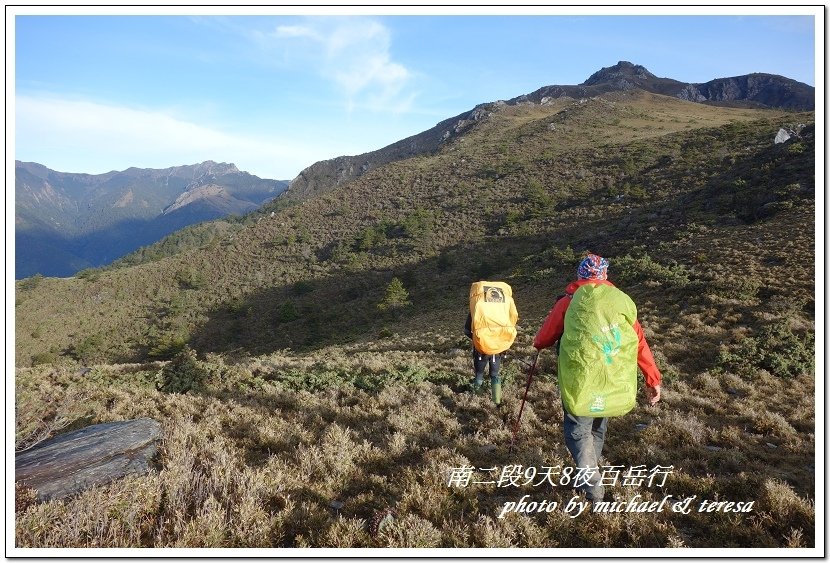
[{"x": 551, "y": 331}]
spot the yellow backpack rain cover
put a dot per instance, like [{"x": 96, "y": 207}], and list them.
[{"x": 493, "y": 315}]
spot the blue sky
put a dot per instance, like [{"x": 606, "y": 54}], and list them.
[{"x": 275, "y": 93}]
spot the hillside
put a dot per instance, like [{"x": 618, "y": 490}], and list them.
[
  {"x": 66, "y": 222},
  {"x": 525, "y": 177},
  {"x": 300, "y": 392},
  {"x": 756, "y": 90}
]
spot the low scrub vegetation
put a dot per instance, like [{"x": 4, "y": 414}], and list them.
[{"x": 357, "y": 447}]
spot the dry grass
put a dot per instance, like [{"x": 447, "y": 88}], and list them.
[{"x": 249, "y": 462}]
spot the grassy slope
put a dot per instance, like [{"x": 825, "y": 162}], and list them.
[
  {"x": 328, "y": 399},
  {"x": 575, "y": 154}
]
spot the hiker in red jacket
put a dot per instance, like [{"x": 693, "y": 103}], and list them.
[{"x": 585, "y": 435}]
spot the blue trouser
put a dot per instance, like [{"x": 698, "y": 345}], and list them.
[
  {"x": 481, "y": 361},
  {"x": 584, "y": 437}
]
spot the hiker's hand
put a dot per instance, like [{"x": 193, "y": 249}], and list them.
[{"x": 652, "y": 395}]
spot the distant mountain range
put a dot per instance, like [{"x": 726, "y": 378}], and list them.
[
  {"x": 755, "y": 90},
  {"x": 66, "y": 222}
]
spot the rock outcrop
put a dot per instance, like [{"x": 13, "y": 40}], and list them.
[{"x": 95, "y": 455}]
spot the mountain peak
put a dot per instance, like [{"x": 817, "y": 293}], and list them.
[
  {"x": 623, "y": 70},
  {"x": 213, "y": 167}
]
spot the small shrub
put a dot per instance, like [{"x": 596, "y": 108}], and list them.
[
  {"x": 88, "y": 350},
  {"x": 512, "y": 219},
  {"x": 681, "y": 429},
  {"x": 775, "y": 349},
  {"x": 166, "y": 344},
  {"x": 190, "y": 279},
  {"x": 396, "y": 296},
  {"x": 302, "y": 287},
  {"x": 566, "y": 256},
  {"x": 539, "y": 201},
  {"x": 182, "y": 374},
  {"x": 42, "y": 358},
  {"x": 417, "y": 224},
  {"x": 30, "y": 283},
  {"x": 345, "y": 533},
  {"x": 410, "y": 531},
  {"x": 314, "y": 379},
  {"x": 369, "y": 238},
  {"x": 790, "y": 510},
  {"x": 772, "y": 423},
  {"x": 629, "y": 269},
  {"x": 409, "y": 374},
  {"x": 24, "y": 497},
  {"x": 89, "y": 274},
  {"x": 796, "y": 148},
  {"x": 628, "y": 189},
  {"x": 48, "y": 409},
  {"x": 742, "y": 288},
  {"x": 288, "y": 312}
]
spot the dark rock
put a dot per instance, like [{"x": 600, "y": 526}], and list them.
[{"x": 94, "y": 455}]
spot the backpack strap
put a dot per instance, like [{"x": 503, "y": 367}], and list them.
[{"x": 570, "y": 296}]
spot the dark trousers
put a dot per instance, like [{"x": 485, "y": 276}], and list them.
[
  {"x": 584, "y": 437},
  {"x": 480, "y": 363}
]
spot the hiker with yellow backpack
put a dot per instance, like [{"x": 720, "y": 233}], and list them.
[
  {"x": 600, "y": 346},
  {"x": 491, "y": 325}
]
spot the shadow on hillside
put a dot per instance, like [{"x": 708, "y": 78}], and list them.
[
  {"x": 475, "y": 429},
  {"x": 56, "y": 255},
  {"x": 342, "y": 307}
]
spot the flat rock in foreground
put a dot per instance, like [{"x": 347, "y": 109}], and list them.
[{"x": 94, "y": 455}]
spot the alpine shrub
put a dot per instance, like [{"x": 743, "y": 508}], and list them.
[
  {"x": 182, "y": 374},
  {"x": 44, "y": 358},
  {"x": 31, "y": 282},
  {"x": 629, "y": 269},
  {"x": 775, "y": 349}
]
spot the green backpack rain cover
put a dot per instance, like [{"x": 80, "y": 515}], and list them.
[{"x": 598, "y": 353}]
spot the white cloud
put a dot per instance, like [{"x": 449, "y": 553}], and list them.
[
  {"x": 73, "y": 135},
  {"x": 296, "y": 31},
  {"x": 354, "y": 54}
]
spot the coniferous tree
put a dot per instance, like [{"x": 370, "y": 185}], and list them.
[{"x": 396, "y": 298}]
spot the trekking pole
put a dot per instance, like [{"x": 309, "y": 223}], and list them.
[
  {"x": 518, "y": 359},
  {"x": 530, "y": 372}
]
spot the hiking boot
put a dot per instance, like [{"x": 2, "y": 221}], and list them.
[{"x": 495, "y": 392}]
